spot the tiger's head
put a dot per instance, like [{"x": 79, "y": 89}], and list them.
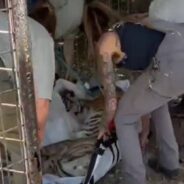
[{"x": 74, "y": 105}]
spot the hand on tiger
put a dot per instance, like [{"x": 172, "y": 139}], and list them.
[
  {"x": 104, "y": 131},
  {"x": 143, "y": 141},
  {"x": 143, "y": 137}
]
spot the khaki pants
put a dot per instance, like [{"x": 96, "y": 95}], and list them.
[{"x": 150, "y": 93}]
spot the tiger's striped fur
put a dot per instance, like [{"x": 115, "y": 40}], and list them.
[{"x": 88, "y": 117}]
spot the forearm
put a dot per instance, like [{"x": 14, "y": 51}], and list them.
[
  {"x": 42, "y": 109},
  {"x": 107, "y": 75}
]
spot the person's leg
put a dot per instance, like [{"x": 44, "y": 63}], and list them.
[
  {"x": 133, "y": 167},
  {"x": 168, "y": 148},
  {"x": 138, "y": 100},
  {"x": 150, "y": 91},
  {"x": 143, "y": 97}
]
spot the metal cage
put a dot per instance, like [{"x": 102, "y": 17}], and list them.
[{"x": 19, "y": 150}]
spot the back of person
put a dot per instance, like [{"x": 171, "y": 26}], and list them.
[
  {"x": 43, "y": 62},
  {"x": 139, "y": 43},
  {"x": 168, "y": 10}
]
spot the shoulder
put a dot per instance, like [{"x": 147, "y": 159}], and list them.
[
  {"x": 111, "y": 35},
  {"x": 108, "y": 38},
  {"x": 38, "y": 32}
]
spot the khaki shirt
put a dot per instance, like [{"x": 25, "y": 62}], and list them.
[{"x": 42, "y": 52}]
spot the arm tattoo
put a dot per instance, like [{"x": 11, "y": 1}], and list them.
[{"x": 108, "y": 80}]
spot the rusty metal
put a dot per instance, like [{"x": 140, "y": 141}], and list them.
[{"x": 21, "y": 133}]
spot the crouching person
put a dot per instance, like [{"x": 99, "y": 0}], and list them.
[
  {"x": 43, "y": 61},
  {"x": 159, "y": 53}
]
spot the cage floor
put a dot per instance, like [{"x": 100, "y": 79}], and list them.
[{"x": 113, "y": 176}]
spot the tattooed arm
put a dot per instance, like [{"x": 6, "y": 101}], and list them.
[
  {"x": 108, "y": 47},
  {"x": 105, "y": 67}
]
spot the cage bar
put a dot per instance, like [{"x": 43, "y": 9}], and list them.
[{"x": 19, "y": 149}]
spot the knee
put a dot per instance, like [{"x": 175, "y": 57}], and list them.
[
  {"x": 119, "y": 116},
  {"x": 124, "y": 116}
]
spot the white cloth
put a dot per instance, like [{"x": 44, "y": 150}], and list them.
[
  {"x": 167, "y": 10},
  {"x": 42, "y": 52},
  {"x": 60, "y": 124}
]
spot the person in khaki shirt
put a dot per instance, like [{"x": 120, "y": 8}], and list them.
[
  {"x": 43, "y": 60},
  {"x": 62, "y": 19}
]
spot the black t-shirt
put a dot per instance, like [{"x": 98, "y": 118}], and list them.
[{"x": 139, "y": 43}]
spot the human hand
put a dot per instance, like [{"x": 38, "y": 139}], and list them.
[
  {"x": 104, "y": 132},
  {"x": 118, "y": 56},
  {"x": 143, "y": 138},
  {"x": 41, "y": 133}
]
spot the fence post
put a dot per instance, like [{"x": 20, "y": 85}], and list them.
[{"x": 25, "y": 87}]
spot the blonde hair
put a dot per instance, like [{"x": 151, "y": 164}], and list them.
[{"x": 97, "y": 17}]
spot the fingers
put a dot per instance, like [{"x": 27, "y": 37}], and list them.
[
  {"x": 143, "y": 141},
  {"x": 101, "y": 134},
  {"x": 118, "y": 56},
  {"x": 104, "y": 134}
]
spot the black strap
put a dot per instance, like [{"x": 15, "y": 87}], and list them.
[
  {"x": 62, "y": 170},
  {"x": 118, "y": 153},
  {"x": 97, "y": 152},
  {"x": 92, "y": 181},
  {"x": 100, "y": 151},
  {"x": 113, "y": 154}
]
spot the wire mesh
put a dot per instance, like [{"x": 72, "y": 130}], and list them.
[{"x": 19, "y": 155}]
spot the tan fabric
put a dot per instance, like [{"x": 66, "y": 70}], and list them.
[{"x": 42, "y": 52}]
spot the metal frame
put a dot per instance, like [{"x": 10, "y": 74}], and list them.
[{"x": 24, "y": 104}]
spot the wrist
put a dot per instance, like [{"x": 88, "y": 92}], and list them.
[{"x": 41, "y": 132}]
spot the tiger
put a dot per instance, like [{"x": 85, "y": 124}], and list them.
[{"x": 89, "y": 117}]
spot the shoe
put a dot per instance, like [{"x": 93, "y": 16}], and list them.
[{"x": 170, "y": 174}]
